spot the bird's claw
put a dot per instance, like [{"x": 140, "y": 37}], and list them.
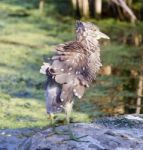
[
  {"x": 59, "y": 132},
  {"x": 55, "y": 131},
  {"x": 77, "y": 139}
]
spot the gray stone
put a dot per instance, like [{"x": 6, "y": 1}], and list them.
[{"x": 111, "y": 133}]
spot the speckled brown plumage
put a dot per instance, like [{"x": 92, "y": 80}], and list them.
[{"x": 73, "y": 68}]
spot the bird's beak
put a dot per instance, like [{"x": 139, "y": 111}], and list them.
[{"x": 100, "y": 35}]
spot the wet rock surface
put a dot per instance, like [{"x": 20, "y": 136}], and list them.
[{"x": 111, "y": 133}]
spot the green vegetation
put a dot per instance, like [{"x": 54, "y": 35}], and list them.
[
  {"x": 24, "y": 43},
  {"x": 27, "y": 38}
]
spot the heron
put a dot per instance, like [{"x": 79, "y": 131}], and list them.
[{"x": 72, "y": 69}]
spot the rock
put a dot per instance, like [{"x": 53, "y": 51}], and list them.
[
  {"x": 110, "y": 133},
  {"x": 126, "y": 121},
  {"x": 16, "y": 139}
]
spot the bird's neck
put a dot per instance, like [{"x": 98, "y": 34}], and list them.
[{"x": 89, "y": 43}]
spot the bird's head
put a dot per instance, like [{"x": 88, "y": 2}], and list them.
[{"x": 87, "y": 29}]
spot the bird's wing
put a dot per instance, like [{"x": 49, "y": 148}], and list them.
[
  {"x": 73, "y": 67},
  {"x": 69, "y": 67},
  {"x": 72, "y": 57}
]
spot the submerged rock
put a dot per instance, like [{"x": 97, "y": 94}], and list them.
[{"x": 111, "y": 133}]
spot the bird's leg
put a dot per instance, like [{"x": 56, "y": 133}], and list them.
[
  {"x": 68, "y": 110},
  {"x": 53, "y": 125},
  {"x": 75, "y": 138},
  {"x": 51, "y": 116},
  {"x": 52, "y": 122}
]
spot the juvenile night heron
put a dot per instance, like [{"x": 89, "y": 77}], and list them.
[{"x": 72, "y": 69}]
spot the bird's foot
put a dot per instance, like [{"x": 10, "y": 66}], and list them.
[
  {"x": 55, "y": 131},
  {"x": 68, "y": 133},
  {"x": 75, "y": 138}
]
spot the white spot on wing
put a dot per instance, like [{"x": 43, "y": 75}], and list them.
[
  {"x": 87, "y": 85},
  {"x": 77, "y": 72},
  {"x": 61, "y": 106},
  {"x": 74, "y": 90},
  {"x": 62, "y": 99},
  {"x": 70, "y": 68},
  {"x": 76, "y": 94}
]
